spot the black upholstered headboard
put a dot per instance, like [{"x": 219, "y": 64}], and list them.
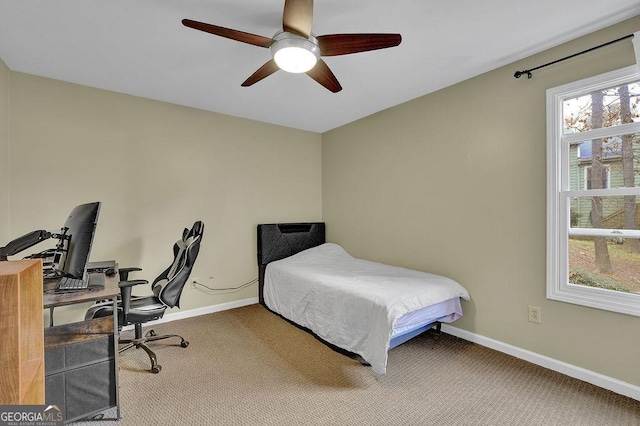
[{"x": 279, "y": 240}]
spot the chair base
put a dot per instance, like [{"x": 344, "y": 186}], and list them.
[{"x": 140, "y": 342}]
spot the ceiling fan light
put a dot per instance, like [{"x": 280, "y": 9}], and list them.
[
  {"x": 295, "y": 59},
  {"x": 294, "y": 54}
]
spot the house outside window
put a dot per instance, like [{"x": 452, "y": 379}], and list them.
[
  {"x": 588, "y": 176},
  {"x": 593, "y": 191}
]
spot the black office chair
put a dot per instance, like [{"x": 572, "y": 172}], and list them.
[{"x": 167, "y": 289}]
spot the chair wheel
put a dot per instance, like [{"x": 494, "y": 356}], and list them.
[
  {"x": 151, "y": 333},
  {"x": 156, "y": 369},
  {"x": 184, "y": 343}
]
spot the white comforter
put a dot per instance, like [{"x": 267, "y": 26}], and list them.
[{"x": 351, "y": 303}]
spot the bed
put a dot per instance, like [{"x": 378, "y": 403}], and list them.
[{"x": 355, "y": 305}]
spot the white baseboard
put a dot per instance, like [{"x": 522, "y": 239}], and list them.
[
  {"x": 570, "y": 370},
  {"x": 178, "y": 315}
]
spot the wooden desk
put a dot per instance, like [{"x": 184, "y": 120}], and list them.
[
  {"x": 81, "y": 358},
  {"x": 53, "y": 299}
]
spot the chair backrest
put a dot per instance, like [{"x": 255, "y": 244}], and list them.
[{"x": 168, "y": 286}]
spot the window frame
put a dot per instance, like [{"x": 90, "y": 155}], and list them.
[{"x": 559, "y": 195}]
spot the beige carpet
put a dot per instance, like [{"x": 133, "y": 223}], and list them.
[{"x": 249, "y": 367}]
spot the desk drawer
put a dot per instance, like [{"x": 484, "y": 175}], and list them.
[
  {"x": 83, "y": 391},
  {"x": 78, "y": 354}
]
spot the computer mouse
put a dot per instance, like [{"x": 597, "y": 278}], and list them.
[{"x": 110, "y": 271}]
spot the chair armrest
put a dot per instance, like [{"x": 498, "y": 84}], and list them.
[
  {"x": 124, "y": 272},
  {"x": 125, "y": 296},
  {"x": 131, "y": 283}
]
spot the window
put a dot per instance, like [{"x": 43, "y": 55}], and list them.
[
  {"x": 587, "y": 178},
  {"x": 593, "y": 191}
]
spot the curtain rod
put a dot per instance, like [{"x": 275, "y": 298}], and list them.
[{"x": 519, "y": 74}]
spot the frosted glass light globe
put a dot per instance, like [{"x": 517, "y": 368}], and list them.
[
  {"x": 293, "y": 53},
  {"x": 295, "y": 59}
]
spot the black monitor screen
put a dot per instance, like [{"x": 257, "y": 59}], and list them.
[{"x": 81, "y": 225}]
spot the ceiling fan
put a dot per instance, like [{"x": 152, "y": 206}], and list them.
[{"x": 296, "y": 49}]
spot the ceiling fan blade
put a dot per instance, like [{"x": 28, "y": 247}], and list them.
[
  {"x": 264, "y": 71},
  {"x": 241, "y": 36},
  {"x": 344, "y": 44},
  {"x": 297, "y": 17},
  {"x": 323, "y": 75}
]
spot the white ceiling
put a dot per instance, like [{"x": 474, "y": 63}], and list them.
[{"x": 141, "y": 48}]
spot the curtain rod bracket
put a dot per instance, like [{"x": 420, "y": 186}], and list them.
[{"x": 519, "y": 74}]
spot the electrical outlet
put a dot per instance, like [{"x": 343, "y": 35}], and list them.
[{"x": 535, "y": 314}]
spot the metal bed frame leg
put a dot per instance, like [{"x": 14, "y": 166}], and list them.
[{"x": 437, "y": 330}]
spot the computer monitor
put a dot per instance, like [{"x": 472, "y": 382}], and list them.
[{"x": 80, "y": 228}]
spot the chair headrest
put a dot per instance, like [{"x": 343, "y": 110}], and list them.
[{"x": 197, "y": 229}]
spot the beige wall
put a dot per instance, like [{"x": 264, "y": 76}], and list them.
[
  {"x": 454, "y": 183},
  {"x": 4, "y": 152},
  {"x": 157, "y": 168}
]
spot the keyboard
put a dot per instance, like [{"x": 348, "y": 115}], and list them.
[{"x": 71, "y": 284}]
